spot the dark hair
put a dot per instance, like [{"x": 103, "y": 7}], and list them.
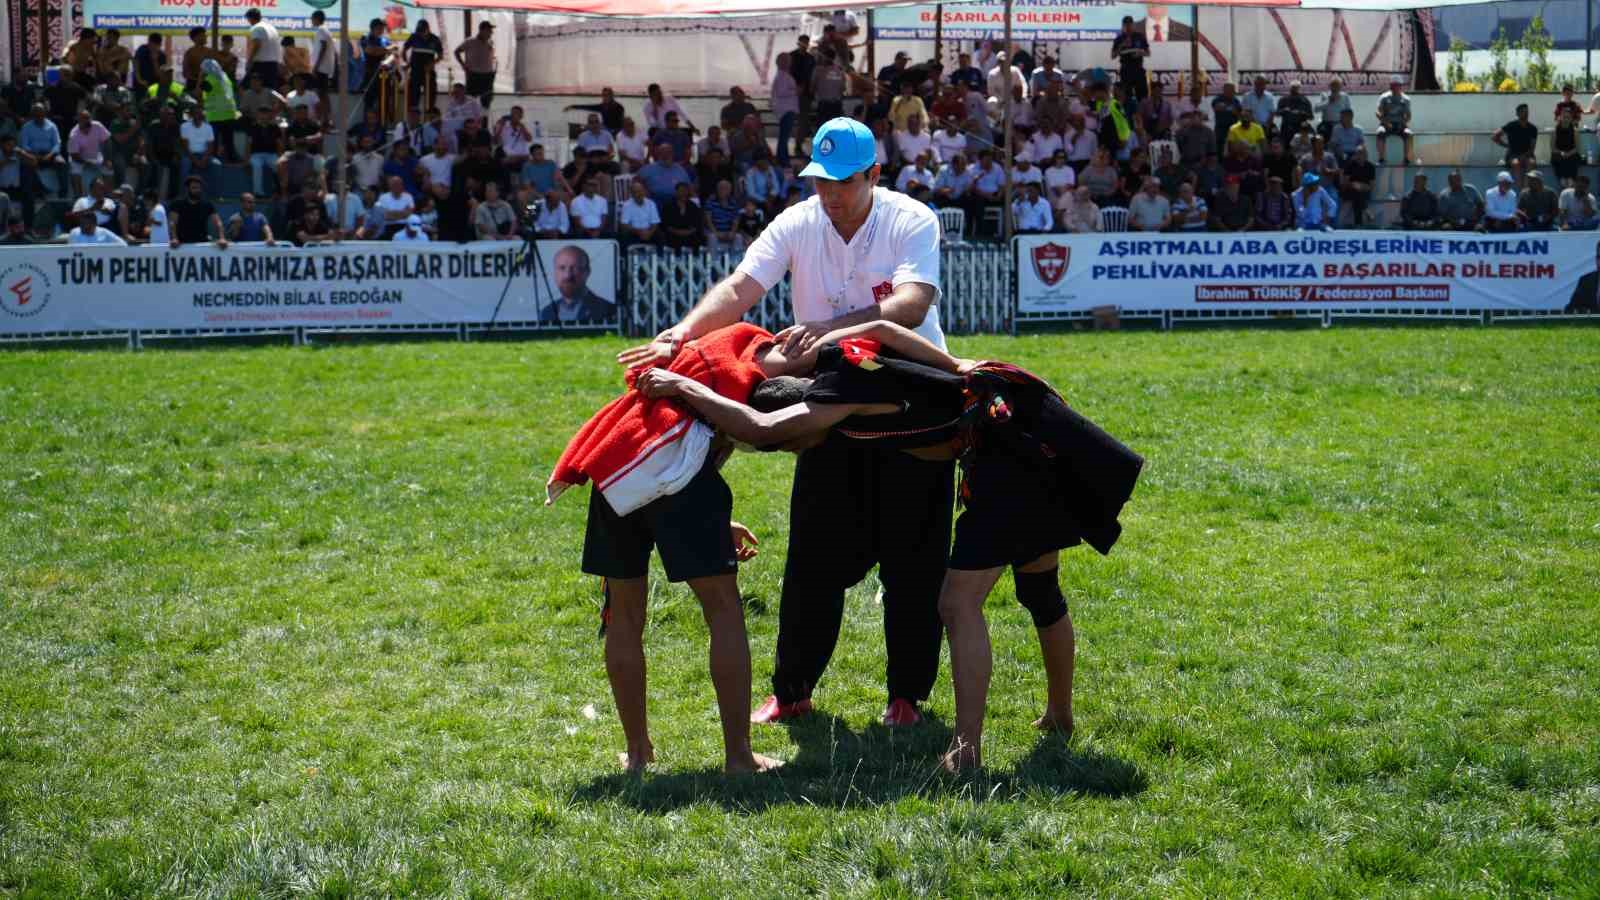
[
  {"x": 252, "y": 14},
  {"x": 1127, "y": 20},
  {"x": 318, "y": 16},
  {"x": 197, "y": 30},
  {"x": 778, "y": 393}
]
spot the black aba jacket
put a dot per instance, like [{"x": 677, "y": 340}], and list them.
[{"x": 996, "y": 408}]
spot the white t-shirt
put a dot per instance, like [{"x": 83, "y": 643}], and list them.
[
  {"x": 910, "y": 174},
  {"x": 594, "y": 140},
  {"x": 590, "y": 212},
  {"x": 899, "y": 243},
  {"x": 438, "y": 167},
  {"x": 100, "y": 236},
  {"x": 911, "y": 145},
  {"x": 269, "y": 47},
  {"x": 632, "y": 147},
  {"x": 1032, "y": 215},
  {"x": 639, "y": 215},
  {"x": 354, "y": 209},
  {"x": 158, "y": 226},
  {"x": 324, "y": 38},
  {"x": 308, "y": 99},
  {"x": 1044, "y": 145},
  {"x": 404, "y": 236},
  {"x": 1499, "y": 206},
  {"x": 197, "y": 137},
  {"x": 388, "y": 202},
  {"x": 553, "y": 218},
  {"x": 947, "y": 145},
  {"x": 1058, "y": 178},
  {"x": 1033, "y": 175}
]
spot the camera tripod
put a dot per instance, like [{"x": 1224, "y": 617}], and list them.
[{"x": 527, "y": 254}]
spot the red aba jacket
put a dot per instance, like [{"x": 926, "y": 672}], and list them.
[{"x": 636, "y": 449}]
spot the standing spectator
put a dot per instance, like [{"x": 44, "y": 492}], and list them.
[
  {"x": 682, "y": 222},
  {"x": 1537, "y": 205},
  {"x": 827, "y": 86},
  {"x": 1155, "y": 115},
  {"x": 1080, "y": 215},
  {"x": 1460, "y": 205},
  {"x": 113, "y": 60},
  {"x": 1189, "y": 213},
  {"x": 200, "y": 148},
  {"x": 1294, "y": 111},
  {"x": 785, "y": 105},
  {"x": 1500, "y": 206},
  {"x": 553, "y": 221},
  {"x": 421, "y": 53},
  {"x": 1356, "y": 186},
  {"x": 589, "y": 210},
  {"x": 632, "y": 151},
  {"x": 801, "y": 65},
  {"x": 1568, "y": 105},
  {"x": 192, "y": 57},
  {"x": 325, "y": 60},
  {"x": 148, "y": 61},
  {"x": 193, "y": 215},
  {"x": 1030, "y": 212},
  {"x": 637, "y": 218},
  {"x": 966, "y": 73},
  {"x": 263, "y": 50},
  {"x": 1314, "y": 210},
  {"x": 1394, "y": 120},
  {"x": 89, "y": 230},
  {"x": 1419, "y": 209},
  {"x": 85, "y": 150},
  {"x": 1261, "y": 104},
  {"x": 612, "y": 115},
  {"x": 375, "y": 50},
  {"x": 396, "y": 205},
  {"x": 226, "y": 58},
  {"x": 296, "y": 59},
  {"x": 413, "y": 233},
  {"x": 721, "y": 214},
  {"x": 1518, "y": 137},
  {"x": 736, "y": 109},
  {"x": 662, "y": 176},
  {"x": 658, "y": 105},
  {"x": 494, "y": 219},
  {"x": 594, "y": 139},
  {"x": 1346, "y": 137},
  {"x": 1194, "y": 103},
  {"x": 248, "y": 225},
  {"x": 1565, "y": 157},
  {"x": 890, "y": 76},
  {"x": 1335, "y": 103},
  {"x": 221, "y": 107},
  {"x": 1230, "y": 210},
  {"x": 1226, "y": 109},
  {"x": 1129, "y": 48},
  {"x": 1579, "y": 212},
  {"x": 477, "y": 58},
  {"x": 366, "y": 167},
  {"x": 1149, "y": 210}
]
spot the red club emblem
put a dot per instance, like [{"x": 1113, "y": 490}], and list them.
[
  {"x": 881, "y": 292},
  {"x": 1050, "y": 262},
  {"x": 23, "y": 291}
]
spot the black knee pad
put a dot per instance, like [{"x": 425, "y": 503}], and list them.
[{"x": 1040, "y": 595}]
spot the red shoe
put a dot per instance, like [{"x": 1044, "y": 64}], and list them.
[
  {"x": 772, "y": 712},
  {"x": 901, "y": 712}
]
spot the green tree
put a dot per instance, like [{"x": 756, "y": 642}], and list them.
[
  {"x": 1456, "y": 70},
  {"x": 1536, "y": 41},
  {"x": 1499, "y": 53}
]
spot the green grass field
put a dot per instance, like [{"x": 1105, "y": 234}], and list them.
[{"x": 286, "y": 622}]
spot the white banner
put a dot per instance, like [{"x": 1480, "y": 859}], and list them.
[
  {"x": 1306, "y": 270},
  {"x": 59, "y": 288}
]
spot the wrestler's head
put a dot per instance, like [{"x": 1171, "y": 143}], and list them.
[{"x": 781, "y": 392}]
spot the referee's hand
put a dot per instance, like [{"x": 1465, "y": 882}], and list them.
[
  {"x": 799, "y": 338},
  {"x": 658, "y": 352}
]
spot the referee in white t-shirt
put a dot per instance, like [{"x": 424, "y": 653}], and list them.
[{"x": 855, "y": 253}]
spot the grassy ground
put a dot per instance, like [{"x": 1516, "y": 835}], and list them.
[{"x": 279, "y": 622}]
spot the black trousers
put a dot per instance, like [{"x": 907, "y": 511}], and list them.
[{"x": 854, "y": 507}]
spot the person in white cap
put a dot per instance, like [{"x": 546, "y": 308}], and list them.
[
  {"x": 89, "y": 230},
  {"x": 412, "y": 233},
  {"x": 1500, "y": 205},
  {"x": 855, "y": 253},
  {"x": 1394, "y": 120}
]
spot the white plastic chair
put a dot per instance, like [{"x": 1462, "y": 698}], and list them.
[
  {"x": 619, "y": 189},
  {"x": 953, "y": 223},
  {"x": 1113, "y": 218},
  {"x": 1159, "y": 147}
]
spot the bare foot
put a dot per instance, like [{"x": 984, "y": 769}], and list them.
[
  {"x": 750, "y": 765},
  {"x": 634, "y": 763},
  {"x": 961, "y": 756},
  {"x": 1055, "y": 720}
]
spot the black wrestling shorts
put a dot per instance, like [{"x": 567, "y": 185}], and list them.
[
  {"x": 1014, "y": 511},
  {"x": 689, "y": 528}
]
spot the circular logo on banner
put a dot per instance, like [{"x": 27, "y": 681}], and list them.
[
  {"x": 826, "y": 147},
  {"x": 24, "y": 290}
]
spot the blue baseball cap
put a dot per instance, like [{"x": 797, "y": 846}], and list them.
[
  {"x": 841, "y": 148},
  {"x": 1309, "y": 179}
]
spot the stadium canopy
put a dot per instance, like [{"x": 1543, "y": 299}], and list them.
[{"x": 679, "y": 9}]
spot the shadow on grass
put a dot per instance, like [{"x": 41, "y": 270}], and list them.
[{"x": 840, "y": 768}]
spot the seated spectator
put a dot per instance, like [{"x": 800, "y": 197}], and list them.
[
  {"x": 16, "y": 233},
  {"x": 459, "y": 110},
  {"x": 913, "y": 142},
  {"x": 440, "y": 165},
  {"x": 1078, "y": 212},
  {"x": 662, "y": 176},
  {"x": 1318, "y": 159},
  {"x": 1169, "y": 173},
  {"x": 1059, "y": 178},
  {"x": 988, "y": 186},
  {"x": 248, "y": 225},
  {"x": 632, "y": 150},
  {"x": 794, "y": 183},
  {"x": 763, "y": 183},
  {"x": 751, "y": 222},
  {"x": 513, "y": 141},
  {"x": 1102, "y": 179},
  {"x": 1155, "y": 115},
  {"x": 303, "y": 160},
  {"x": 494, "y": 219},
  {"x": 105, "y": 208},
  {"x": 953, "y": 185},
  {"x": 594, "y": 139},
  {"x": 1274, "y": 208},
  {"x": 304, "y": 95},
  {"x": 1209, "y": 175},
  {"x": 427, "y": 215},
  {"x": 1277, "y": 161},
  {"x": 1419, "y": 209},
  {"x": 710, "y": 170},
  {"x": 1332, "y": 106},
  {"x": 721, "y": 215},
  {"x": 919, "y": 172},
  {"x": 1301, "y": 144},
  {"x": 200, "y": 148},
  {"x": 905, "y": 104},
  {"x": 312, "y": 228},
  {"x": 637, "y": 218},
  {"x": 361, "y": 219},
  {"x": 949, "y": 141},
  {"x": 89, "y": 230},
  {"x": 366, "y": 167},
  {"x": 1536, "y": 205},
  {"x": 611, "y": 112},
  {"x": 294, "y": 209},
  {"x": 1519, "y": 137},
  {"x": 402, "y": 165},
  {"x": 413, "y": 233},
  {"x": 677, "y": 138},
  {"x": 749, "y": 144},
  {"x": 1314, "y": 209},
  {"x": 265, "y": 141},
  {"x": 1231, "y": 210},
  {"x": 1189, "y": 212},
  {"x": 589, "y": 210},
  {"x": 1565, "y": 154},
  {"x": 194, "y": 218},
  {"x": 1260, "y": 105},
  {"x": 396, "y": 205},
  {"x": 478, "y": 168},
  {"x": 737, "y": 107},
  {"x": 1249, "y": 132},
  {"x": 1195, "y": 104},
  {"x": 1394, "y": 120},
  {"x": 151, "y": 226},
  {"x": 1030, "y": 212},
  {"x": 1294, "y": 112},
  {"x": 1568, "y": 104},
  {"x": 257, "y": 96},
  {"x": 86, "y": 150},
  {"x": 1194, "y": 139},
  {"x": 1149, "y": 210},
  {"x": 1345, "y": 137},
  {"x": 1579, "y": 211},
  {"x": 540, "y": 172},
  {"x": 683, "y": 224},
  {"x": 453, "y": 216},
  {"x": 415, "y": 133},
  {"x": 1226, "y": 111},
  {"x": 1356, "y": 186},
  {"x": 1133, "y": 172},
  {"x": 1246, "y": 165},
  {"x": 553, "y": 221},
  {"x": 1500, "y": 204},
  {"x": 714, "y": 139}
]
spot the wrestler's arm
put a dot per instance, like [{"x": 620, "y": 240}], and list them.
[
  {"x": 742, "y": 423},
  {"x": 896, "y": 337}
]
